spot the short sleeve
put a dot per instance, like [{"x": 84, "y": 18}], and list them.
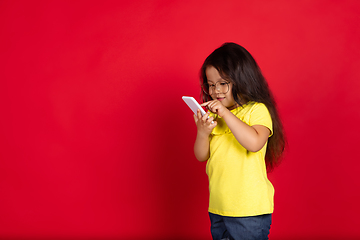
[{"x": 259, "y": 115}]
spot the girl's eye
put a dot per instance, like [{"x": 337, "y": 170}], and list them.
[{"x": 223, "y": 83}]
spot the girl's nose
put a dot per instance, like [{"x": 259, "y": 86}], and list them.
[{"x": 217, "y": 88}]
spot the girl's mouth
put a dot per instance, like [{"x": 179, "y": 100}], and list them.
[{"x": 220, "y": 99}]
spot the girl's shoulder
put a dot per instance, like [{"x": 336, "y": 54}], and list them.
[{"x": 249, "y": 107}]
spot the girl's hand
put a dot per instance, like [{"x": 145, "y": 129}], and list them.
[
  {"x": 216, "y": 107},
  {"x": 204, "y": 124}
]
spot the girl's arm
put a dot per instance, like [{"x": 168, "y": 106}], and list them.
[
  {"x": 204, "y": 127},
  {"x": 202, "y": 147},
  {"x": 253, "y": 138}
]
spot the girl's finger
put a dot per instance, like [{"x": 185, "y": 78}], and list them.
[
  {"x": 209, "y": 120},
  {"x": 198, "y": 114},
  {"x": 205, "y": 104},
  {"x": 195, "y": 118},
  {"x": 210, "y": 106},
  {"x": 205, "y": 117}
]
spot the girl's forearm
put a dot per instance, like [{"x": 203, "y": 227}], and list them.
[{"x": 202, "y": 147}]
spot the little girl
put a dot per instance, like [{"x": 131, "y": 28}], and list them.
[{"x": 241, "y": 137}]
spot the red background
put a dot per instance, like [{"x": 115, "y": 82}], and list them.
[{"x": 96, "y": 142}]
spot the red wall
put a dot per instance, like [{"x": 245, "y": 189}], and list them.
[{"x": 97, "y": 143}]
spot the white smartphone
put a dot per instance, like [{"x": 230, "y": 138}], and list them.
[{"x": 193, "y": 105}]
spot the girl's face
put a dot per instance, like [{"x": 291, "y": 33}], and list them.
[{"x": 219, "y": 88}]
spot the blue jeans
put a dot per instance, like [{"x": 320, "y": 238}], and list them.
[{"x": 240, "y": 228}]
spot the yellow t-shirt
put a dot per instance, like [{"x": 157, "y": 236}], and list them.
[{"x": 238, "y": 181}]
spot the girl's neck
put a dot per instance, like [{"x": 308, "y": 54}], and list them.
[
  {"x": 236, "y": 105},
  {"x": 233, "y": 107}
]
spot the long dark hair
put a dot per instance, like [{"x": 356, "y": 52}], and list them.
[{"x": 236, "y": 65}]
